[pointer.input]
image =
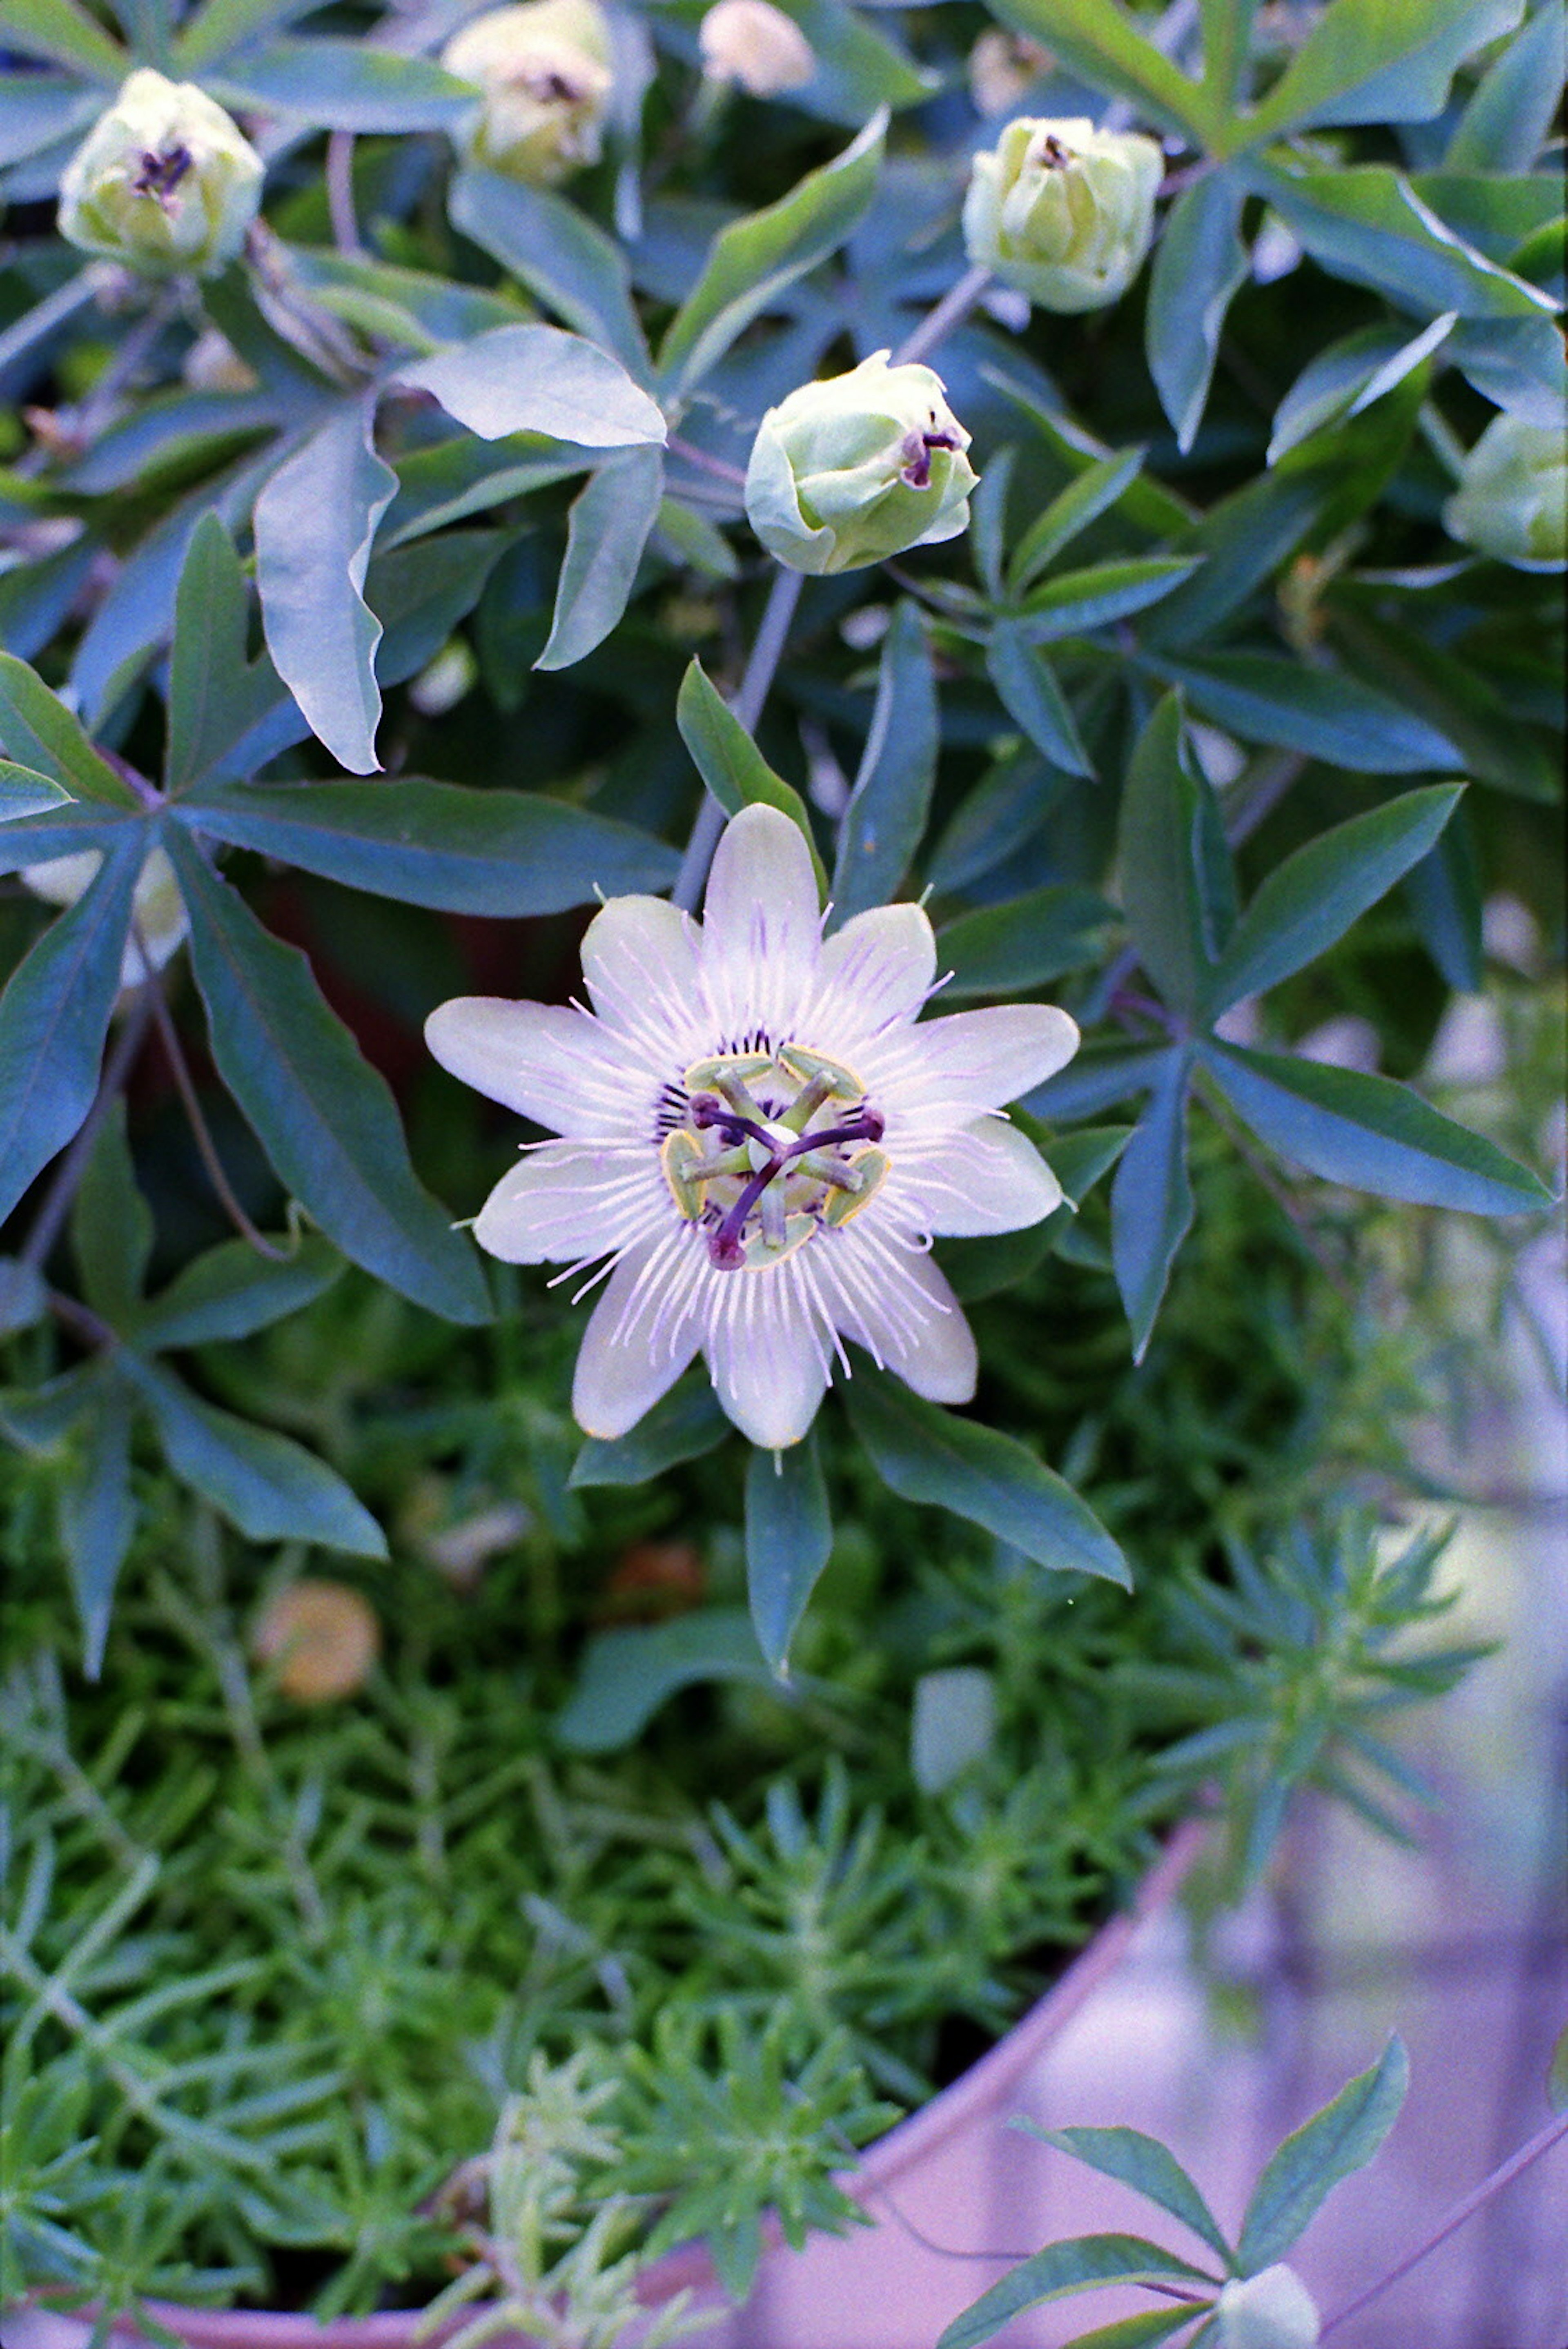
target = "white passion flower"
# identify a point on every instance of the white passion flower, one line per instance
(759, 1138)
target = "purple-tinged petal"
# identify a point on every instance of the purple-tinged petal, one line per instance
(639, 960)
(977, 1061)
(872, 975)
(559, 1067)
(572, 1201)
(761, 927)
(768, 1353)
(640, 1338)
(893, 1301)
(988, 1178)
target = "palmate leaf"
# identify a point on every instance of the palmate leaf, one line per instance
(230, 1292)
(628, 1674)
(1090, 494)
(1028, 691)
(789, 1535)
(1365, 223)
(1151, 1199)
(1097, 41)
(1508, 116)
(1323, 714)
(1075, 2266)
(23, 791)
(217, 695)
(220, 26)
(325, 1119)
(1144, 2164)
(1178, 883)
(343, 85)
(885, 818)
(37, 729)
(97, 1512)
(66, 33)
(1010, 948)
(1341, 2138)
(111, 1225)
(1377, 61)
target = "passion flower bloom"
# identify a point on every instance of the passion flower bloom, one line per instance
(759, 1138)
(164, 181)
(1064, 211)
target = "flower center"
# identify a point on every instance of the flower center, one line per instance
(161, 172)
(916, 472)
(776, 1147)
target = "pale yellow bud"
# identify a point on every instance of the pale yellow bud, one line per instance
(542, 69)
(1064, 211)
(164, 181)
(158, 911)
(754, 43)
(1513, 497)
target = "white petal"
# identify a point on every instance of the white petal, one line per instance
(893, 1301)
(760, 927)
(562, 1068)
(572, 1201)
(639, 960)
(976, 1061)
(768, 1352)
(872, 975)
(638, 1343)
(988, 1178)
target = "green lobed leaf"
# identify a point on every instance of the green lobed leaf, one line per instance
(64, 830)
(336, 84)
(607, 530)
(267, 1486)
(97, 1512)
(1098, 1076)
(1076, 601)
(1096, 38)
(730, 763)
(1147, 2166)
(1323, 714)
(551, 246)
(315, 520)
(1304, 906)
(39, 731)
(111, 1225)
(1508, 116)
(408, 309)
(1519, 363)
(1341, 2138)
(628, 1674)
(1088, 496)
(1176, 882)
(1370, 1134)
(1075, 2265)
(753, 259)
(1139, 2331)
(1027, 688)
(1200, 264)
(67, 34)
(23, 791)
(540, 379)
(1009, 948)
(230, 1291)
(452, 478)
(929, 1454)
(325, 1119)
(54, 1015)
(1151, 1201)
(1454, 699)
(1365, 223)
(789, 1535)
(885, 820)
(1378, 61)
(498, 853)
(684, 1425)
(988, 519)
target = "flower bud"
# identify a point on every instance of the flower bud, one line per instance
(1512, 498)
(1272, 2310)
(1064, 211)
(164, 181)
(862, 466)
(754, 43)
(1002, 68)
(157, 909)
(542, 69)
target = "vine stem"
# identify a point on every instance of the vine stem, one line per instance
(67, 1175)
(1541, 2143)
(944, 315)
(341, 194)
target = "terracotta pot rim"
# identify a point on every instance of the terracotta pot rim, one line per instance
(920, 2133)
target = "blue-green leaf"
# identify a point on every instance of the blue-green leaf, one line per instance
(64, 830)
(325, 1119)
(789, 1535)
(1351, 374)
(753, 259)
(68, 34)
(1341, 2138)
(927, 1454)
(1369, 1132)
(1062, 2268)
(1176, 879)
(1323, 714)
(540, 379)
(314, 523)
(952, 1726)
(1090, 494)
(1198, 264)
(23, 791)
(501, 852)
(1031, 698)
(1144, 2164)
(111, 1225)
(1076, 601)
(684, 1425)
(1151, 1201)
(628, 1674)
(1305, 905)
(1097, 41)
(1095, 1079)
(607, 531)
(97, 1512)
(53, 1017)
(39, 731)
(269, 1487)
(1444, 894)
(730, 763)
(230, 1291)
(219, 26)
(217, 695)
(1009, 948)
(1508, 116)
(557, 251)
(344, 85)
(1365, 223)
(886, 818)
(1379, 61)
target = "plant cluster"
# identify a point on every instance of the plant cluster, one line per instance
(472, 462)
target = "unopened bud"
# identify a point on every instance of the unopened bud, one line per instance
(542, 70)
(1064, 211)
(158, 915)
(1512, 498)
(164, 181)
(1272, 2310)
(754, 43)
(864, 465)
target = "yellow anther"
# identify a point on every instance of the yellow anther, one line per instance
(871, 1166)
(724, 1069)
(816, 1068)
(685, 1171)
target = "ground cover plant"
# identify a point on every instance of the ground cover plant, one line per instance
(1062, 503)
